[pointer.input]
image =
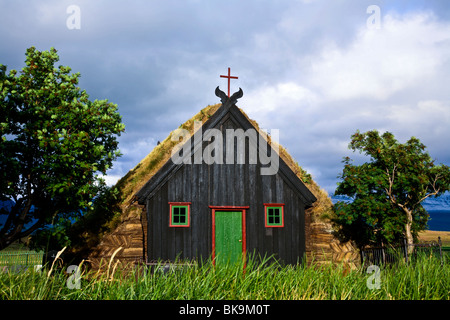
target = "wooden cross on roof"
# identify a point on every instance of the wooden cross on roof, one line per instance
(229, 78)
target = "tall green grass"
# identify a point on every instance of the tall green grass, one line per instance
(426, 278)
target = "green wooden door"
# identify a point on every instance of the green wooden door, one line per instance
(228, 236)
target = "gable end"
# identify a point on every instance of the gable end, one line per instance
(225, 111)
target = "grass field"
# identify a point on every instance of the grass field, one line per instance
(433, 235)
(425, 279)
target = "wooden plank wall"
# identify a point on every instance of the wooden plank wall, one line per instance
(224, 185)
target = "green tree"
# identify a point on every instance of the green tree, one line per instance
(55, 144)
(387, 191)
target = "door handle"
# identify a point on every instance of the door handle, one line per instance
(240, 240)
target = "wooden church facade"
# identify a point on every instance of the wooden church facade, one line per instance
(196, 211)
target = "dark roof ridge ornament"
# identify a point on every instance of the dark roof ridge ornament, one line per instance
(224, 98)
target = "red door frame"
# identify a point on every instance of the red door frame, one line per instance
(228, 208)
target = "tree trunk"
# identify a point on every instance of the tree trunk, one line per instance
(409, 237)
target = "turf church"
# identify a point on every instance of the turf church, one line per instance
(189, 200)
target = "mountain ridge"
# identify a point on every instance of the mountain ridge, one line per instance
(441, 203)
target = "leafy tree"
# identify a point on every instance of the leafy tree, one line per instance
(86, 231)
(54, 145)
(389, 190)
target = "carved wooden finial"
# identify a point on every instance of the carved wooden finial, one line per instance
(233, 99)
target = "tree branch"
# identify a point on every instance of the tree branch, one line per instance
(31, 229)
(11, 215)
(391, 183)
(25, 210)
(435, 190)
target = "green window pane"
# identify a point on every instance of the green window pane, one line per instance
(270, 216)
(176, 215)
(183, 215)
(274, 216)
(180, 215)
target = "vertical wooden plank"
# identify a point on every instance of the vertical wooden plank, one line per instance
(265, 242)
(195, 213)
(240, 197)
(177, 252)
(159, 225)
(244, 234)
(207, 221)
(156, 227)
(292, 229)
(221, 192)
(150, 233)
(213, 176)
(152, 218)
(256, 236)
(290, 226)
(220, 185)
(251, 215)
(167, 233)
(187, 232)
(242, 185)
(276, 249)
(201, 234)
(231, 188)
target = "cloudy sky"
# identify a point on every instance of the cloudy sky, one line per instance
(316, 70)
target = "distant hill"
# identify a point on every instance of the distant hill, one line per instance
(441, 203)
(438, 209)
(8, 205)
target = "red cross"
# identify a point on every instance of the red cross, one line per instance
(229, 78)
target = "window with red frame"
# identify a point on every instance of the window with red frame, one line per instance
(180, 214)
(274, 215)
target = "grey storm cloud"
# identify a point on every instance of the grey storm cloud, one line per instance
(310, 68)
